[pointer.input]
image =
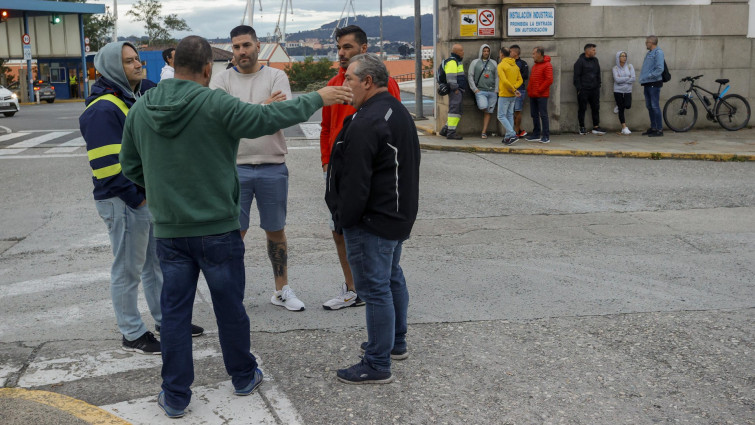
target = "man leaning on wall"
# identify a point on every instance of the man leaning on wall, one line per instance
(457, 81)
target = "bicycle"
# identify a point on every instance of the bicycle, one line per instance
(731, 111)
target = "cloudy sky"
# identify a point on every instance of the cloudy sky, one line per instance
(215, 18)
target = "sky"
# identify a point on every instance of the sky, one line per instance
(215, 18)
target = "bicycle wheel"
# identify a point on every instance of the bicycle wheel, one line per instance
(680, 113)
(733, 112)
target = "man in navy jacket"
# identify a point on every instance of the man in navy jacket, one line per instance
(121, 204)
(372, 192)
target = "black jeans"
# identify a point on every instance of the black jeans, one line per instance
(623, 101)
(591, 96)
(539, 113)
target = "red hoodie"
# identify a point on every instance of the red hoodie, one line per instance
(333, 116)
(541, 78)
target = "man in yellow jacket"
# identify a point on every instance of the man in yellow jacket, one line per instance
(509, 78)
(457, 81)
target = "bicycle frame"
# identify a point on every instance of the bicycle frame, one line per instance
(716, 98)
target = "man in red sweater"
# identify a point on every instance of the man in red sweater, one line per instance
(541, 78)
(351, 41)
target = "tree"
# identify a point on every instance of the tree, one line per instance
(302, 74)
(97, 27)
(158, 27)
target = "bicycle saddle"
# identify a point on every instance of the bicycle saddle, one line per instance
(722, 81)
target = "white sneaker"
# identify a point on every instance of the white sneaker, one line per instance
(615, 109)
(626, 131)
(345, 299)
(287, 298)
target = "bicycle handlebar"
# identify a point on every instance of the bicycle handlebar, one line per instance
(690, 78)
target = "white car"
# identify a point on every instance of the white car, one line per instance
(8, 102)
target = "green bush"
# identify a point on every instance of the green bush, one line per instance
(303, 74)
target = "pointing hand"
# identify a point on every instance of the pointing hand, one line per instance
(335, 94)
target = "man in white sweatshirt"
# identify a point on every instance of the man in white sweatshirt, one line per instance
(261, 162)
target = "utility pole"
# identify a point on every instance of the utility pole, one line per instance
(418, 115)
(115, 20)
(381, 31)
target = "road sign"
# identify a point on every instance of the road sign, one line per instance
(87, 48)
(27, 52)
(86, 40)
(486, 22)
(468, 22)
(26, 39)
(526, 21)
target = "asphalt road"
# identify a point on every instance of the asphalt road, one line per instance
(544, 290)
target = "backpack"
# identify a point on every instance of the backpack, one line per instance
(440, 78)
(665, 75)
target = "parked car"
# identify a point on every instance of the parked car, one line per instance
(8, 102)
(46, 91)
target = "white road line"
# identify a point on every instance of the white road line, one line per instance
(60, 155)
(68, 146)
(311, 130)
(34, 141)
(209, 405)
(8, 151)
(84, 364)
(54, 283)
(12, 136)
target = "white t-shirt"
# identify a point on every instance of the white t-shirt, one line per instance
(256, 88)
(166, 72)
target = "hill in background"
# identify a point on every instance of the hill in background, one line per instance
(394, 29)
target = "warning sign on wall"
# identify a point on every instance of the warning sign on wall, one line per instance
(468, 23)
(486, 22)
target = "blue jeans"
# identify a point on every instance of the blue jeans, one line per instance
(380, 282)
(133, 245)
(221, 260)
(653, 103)
(506, 114)
(519, 102)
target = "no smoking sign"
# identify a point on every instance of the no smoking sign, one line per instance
(485, 22)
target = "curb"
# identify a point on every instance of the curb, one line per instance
(429, 130)
(582, 153)
(56, 101)
(77, 408)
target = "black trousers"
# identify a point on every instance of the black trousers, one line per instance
(623, 101)
(539, 113)
(591, 96)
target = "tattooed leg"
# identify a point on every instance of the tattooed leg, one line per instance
(277, 250)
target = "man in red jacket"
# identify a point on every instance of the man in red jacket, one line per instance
(541, 78)
(351, 41)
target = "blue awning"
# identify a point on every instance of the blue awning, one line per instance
(41, 7)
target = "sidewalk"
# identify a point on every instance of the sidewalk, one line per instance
(703, 144)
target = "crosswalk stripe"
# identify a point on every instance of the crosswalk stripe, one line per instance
(12, 136)
(8, 151)
(311, 130)
(54, 283)
(34, 141)
(68, 146)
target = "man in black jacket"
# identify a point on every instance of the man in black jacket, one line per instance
(587, 82)
(373, 192)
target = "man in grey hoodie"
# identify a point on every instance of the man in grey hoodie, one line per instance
(121, 204)
(483, 81)
(623, 79)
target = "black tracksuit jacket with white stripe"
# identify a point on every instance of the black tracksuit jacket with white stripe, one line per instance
(373, 176)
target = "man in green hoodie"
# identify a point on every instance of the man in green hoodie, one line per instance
(180, 143)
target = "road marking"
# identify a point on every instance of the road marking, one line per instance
(8, 151)
(84, 411)
(34, 141)
(54, 283)
(62, 155)
(311, 130)
(68, 146)
(83, 364)
(12, 136)
(211, 404)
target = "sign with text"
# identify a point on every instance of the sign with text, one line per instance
(528, 21)
(468, 22)
(27, 52)
(486, 22)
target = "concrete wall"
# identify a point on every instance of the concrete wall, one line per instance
(709, 40)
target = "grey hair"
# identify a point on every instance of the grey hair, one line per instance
(653, 39)
(370, 64)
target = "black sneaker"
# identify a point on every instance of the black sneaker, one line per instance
(532, 138)
(253, 384)
(359, 302)
(598, 130)
(362, 373)
(145, 344)
(451, 135)
(582, 131)
(656, 133)
(195, 330)
(648, 132)
(511, 140)
(545, 139)
(443, 131)
(395, 354)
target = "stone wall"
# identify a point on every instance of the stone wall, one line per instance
(709, 40)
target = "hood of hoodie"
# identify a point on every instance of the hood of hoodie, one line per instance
(618, 64)
(509, 61)
(173, 104)
(109, 62)
(479, 54)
